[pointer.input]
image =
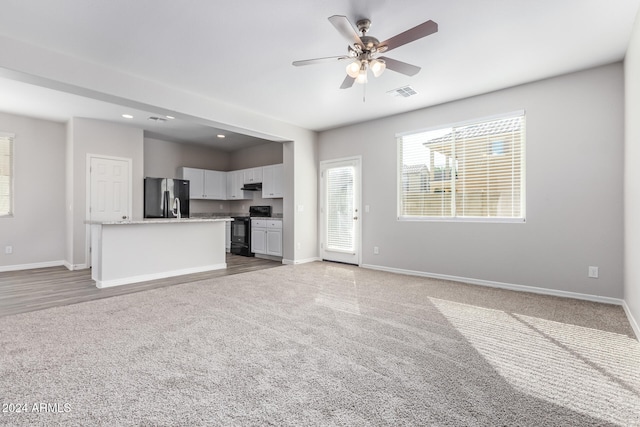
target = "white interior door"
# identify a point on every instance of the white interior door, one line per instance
(340, 210)
(110, 189)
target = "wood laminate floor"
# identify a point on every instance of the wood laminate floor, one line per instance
(37, 289)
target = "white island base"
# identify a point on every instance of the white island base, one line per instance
(125, 252)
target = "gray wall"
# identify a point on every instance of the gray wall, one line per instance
(88, 136)
(163, 158)
(574, 189)
(632, 177)
(37, 229)
(269, 153)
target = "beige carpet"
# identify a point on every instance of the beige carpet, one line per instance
(321, 344)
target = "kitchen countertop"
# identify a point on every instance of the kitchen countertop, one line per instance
(159, 221)
(214, 215)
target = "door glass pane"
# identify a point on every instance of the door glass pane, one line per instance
(340, 208)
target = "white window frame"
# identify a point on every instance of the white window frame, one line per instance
(10, 137)
(452, 218)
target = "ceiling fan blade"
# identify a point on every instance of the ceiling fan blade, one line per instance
(347, 82)
(400, 67)
(415, 33)
(345, 28)
(320, 60)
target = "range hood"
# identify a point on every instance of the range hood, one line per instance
(252, 187)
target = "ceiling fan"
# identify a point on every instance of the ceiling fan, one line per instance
(364, 50)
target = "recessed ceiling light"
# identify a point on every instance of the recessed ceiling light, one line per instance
(220, 135)
(170, 117)
(127, 116)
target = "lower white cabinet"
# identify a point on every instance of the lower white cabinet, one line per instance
(266, 236)
(227, 236)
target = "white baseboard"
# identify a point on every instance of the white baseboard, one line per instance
(32, 266)
(73, 267)
(632, 320)
(300, 261)
(501, 285)
(145, 277)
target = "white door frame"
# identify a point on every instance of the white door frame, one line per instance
(358, 204)
(87, 215)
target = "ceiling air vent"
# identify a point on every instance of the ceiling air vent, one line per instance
(157, 119)
(405, 92)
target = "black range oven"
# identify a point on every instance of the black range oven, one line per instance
(241, 230)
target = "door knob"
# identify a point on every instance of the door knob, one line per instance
(355, 217)
(124, 217)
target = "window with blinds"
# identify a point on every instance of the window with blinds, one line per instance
(6, 157)
(473, 171)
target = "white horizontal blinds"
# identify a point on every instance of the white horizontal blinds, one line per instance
(470, 171)
(6, 147)
(425, 177)
(340, 208)
(489, 174)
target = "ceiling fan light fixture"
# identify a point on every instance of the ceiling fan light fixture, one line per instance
(353, 69)
(377, 66)
(362, 75)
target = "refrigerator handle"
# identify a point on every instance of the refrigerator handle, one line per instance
(165, 204)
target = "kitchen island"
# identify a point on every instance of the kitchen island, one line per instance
(125, 252)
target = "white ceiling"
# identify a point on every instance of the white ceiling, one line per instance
(240, 53)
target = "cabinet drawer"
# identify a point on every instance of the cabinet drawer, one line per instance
(274, 223)
(259, 223)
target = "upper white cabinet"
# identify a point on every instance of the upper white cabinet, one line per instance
(215, 185)
(273, 181)
(196, 182)
(253, 175)
(235, 181)
(206, 184)
(218, 185)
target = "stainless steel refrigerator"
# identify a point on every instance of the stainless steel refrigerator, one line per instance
(166, 198)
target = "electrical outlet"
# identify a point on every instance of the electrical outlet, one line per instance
(8, 249)
(366, 208)
(593, 272)
(376, 250)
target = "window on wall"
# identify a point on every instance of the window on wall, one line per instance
(6, 169)
(471, 171)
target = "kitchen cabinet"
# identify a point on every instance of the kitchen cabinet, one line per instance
(227, 237)
(259, 236)
(215, 185)
(252, 176)
(273, 181)
(235, 181)
(196, 182)
(266, 236)
(206, 184)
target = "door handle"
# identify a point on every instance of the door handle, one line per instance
(355, 217)
(124, 217)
